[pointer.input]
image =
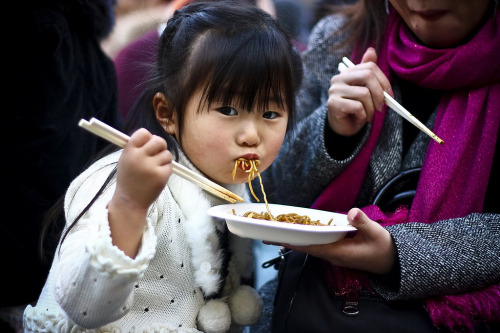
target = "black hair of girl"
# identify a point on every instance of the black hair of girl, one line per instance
(227, 48)
(231, 50)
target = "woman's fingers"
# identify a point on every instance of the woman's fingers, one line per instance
(355, 94)
(366, 81)
(370, 249)
(349, 117)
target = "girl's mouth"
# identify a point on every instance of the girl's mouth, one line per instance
(247, 165)
(250, 156)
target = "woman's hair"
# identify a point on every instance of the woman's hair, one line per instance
(230, 50)
(365, 24)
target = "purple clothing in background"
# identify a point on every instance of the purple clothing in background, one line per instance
(132, 65)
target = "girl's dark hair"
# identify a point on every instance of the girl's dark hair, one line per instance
(228, 49)
(232, 50)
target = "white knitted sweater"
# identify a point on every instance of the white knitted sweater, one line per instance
(93, 284)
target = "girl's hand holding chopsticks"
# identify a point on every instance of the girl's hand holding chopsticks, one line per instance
(120, 139)
(144, 168)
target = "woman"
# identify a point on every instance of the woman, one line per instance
(442, 270)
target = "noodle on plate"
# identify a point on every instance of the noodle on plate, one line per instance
(250, 167)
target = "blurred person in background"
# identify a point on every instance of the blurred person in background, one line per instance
(133, 19)
(133, 61)
(59, 74)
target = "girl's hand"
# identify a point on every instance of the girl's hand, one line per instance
(371, 249)
(143, 171)
(355, 94)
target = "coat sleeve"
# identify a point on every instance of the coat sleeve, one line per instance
(443, 258)
(95, 280)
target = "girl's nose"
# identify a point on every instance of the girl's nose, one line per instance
(249, 135)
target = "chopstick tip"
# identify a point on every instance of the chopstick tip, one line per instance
(82, 122)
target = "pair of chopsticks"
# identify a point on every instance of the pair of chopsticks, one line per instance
(398, 108)
(120, 139)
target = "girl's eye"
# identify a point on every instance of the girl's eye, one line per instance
(270, 114)
(228, 110)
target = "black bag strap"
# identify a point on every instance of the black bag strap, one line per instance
(399, 190)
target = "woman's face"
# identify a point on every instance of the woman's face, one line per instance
(442, 23)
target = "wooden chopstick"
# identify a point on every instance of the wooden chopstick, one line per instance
(120, 139)
(398, 108)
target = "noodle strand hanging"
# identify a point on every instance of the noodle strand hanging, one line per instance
(250, 167)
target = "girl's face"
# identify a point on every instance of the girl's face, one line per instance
(216, 137)
(442, 23)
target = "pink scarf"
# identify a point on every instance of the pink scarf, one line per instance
(454, 175)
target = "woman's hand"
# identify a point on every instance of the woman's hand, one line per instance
(355, 94)
(143, 171)
(371, 249)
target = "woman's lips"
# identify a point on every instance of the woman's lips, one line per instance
(431, 14)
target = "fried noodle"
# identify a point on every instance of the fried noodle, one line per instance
(250, 167)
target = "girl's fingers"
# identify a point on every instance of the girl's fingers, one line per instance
(140, 137)
(151, 144)
(155, 145)
(165, 157)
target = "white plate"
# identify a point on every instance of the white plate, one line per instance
(282, 232)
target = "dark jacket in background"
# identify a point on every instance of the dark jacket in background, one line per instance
(55, 73)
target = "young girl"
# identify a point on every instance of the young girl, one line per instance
(139, 253)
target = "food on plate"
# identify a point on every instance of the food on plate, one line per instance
(250, 166)
(288, 218)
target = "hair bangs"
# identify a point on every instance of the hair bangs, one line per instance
(257, 70)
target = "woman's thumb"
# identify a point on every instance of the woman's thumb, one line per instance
(370, 55)
(357, 218)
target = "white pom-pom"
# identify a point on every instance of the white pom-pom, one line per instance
(245, 305)
(214, 317)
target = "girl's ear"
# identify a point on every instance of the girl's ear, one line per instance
(165, 113)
